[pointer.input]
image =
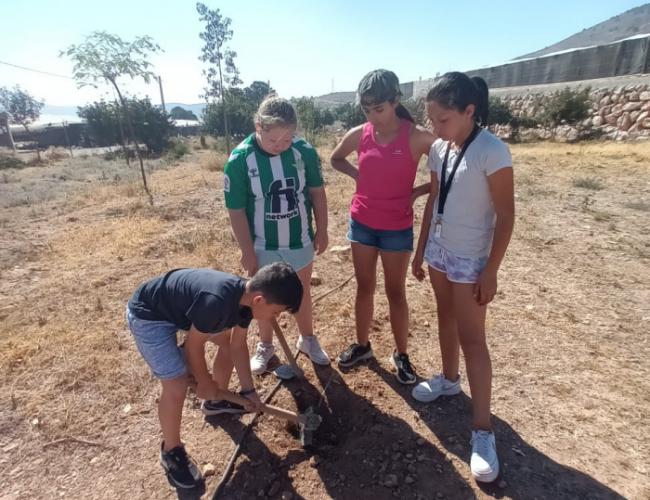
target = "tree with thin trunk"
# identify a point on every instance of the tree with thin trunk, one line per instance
(5, 123)
(21, 108)
(222, 72)
(104, 58)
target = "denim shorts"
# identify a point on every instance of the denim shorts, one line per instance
(156, 341)
(457, 269)
(297, 258)
(384, 239)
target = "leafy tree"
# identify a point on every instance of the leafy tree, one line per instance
(102, 122)
(242, 105)
(151, 125)
(178, 113)
(23, 108)
(311, 118)
(256, 92)
(222, 73)
(326, 117)
(308, 113)
(104, 58)
(240, 111)
(349, 114)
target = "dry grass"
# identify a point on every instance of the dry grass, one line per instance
(53, 154)
(213, 162)
(588, 183)
(568, 326)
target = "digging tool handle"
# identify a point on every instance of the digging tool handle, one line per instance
(285, 347)
(271, 410)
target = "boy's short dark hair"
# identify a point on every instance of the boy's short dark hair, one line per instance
(279, 284)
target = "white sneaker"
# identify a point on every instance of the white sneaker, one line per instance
(263, 353)
(484, 463)
(311, 347)
(429, 390)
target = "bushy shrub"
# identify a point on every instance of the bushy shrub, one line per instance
(176, 150)
(565, 106)
(500, 113)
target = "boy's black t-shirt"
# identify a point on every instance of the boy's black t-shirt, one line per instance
(205, 298)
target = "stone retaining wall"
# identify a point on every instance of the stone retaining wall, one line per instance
(621, 112)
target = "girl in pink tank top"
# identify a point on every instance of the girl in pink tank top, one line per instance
(389, 147)
(385, 182)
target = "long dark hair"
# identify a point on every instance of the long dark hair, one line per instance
(456, 90)
(379, 86)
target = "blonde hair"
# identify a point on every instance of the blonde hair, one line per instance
(274, 111)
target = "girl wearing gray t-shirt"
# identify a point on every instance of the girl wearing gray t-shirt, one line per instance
(465, 232)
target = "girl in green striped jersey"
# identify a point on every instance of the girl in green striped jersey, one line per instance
(273, 184)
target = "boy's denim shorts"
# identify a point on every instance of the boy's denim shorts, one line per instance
(156, 341)
(297, 258)
(384, 239)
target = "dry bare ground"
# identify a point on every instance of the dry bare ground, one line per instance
(568, 337)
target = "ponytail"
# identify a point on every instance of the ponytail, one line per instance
(456, 90)
(403, 113)
(483, 101)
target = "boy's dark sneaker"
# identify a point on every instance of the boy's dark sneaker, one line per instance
(354, 354)
(217, 407)
(405, 373)
(182, 471)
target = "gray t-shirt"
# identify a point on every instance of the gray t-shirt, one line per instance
(468, 219)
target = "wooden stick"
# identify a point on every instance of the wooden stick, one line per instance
(332, 290)
(76, 440)
(271, 410)
(285, 347)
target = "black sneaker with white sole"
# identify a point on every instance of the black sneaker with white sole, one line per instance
(405, 373)
(217, 407)
(354, 354)
(182, 471)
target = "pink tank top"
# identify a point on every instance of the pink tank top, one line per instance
(385, 183)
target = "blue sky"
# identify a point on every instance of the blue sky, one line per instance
(303, 48)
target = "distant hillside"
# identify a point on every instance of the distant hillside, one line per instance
(633, 22)
(334, 99)
(197, 109)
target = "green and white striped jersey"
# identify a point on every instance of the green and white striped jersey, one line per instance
(274, 190)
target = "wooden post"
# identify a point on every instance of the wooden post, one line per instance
(287, 350)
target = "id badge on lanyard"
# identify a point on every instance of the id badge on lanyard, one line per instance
(445, 185)
(437, 228)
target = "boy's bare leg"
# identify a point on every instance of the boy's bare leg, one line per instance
(222, 367)
(170, 410)
(266, 331)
